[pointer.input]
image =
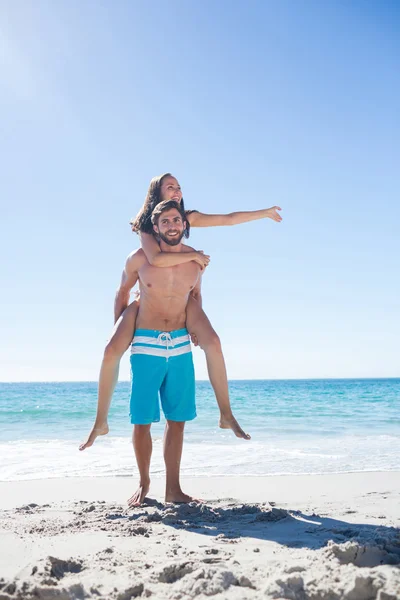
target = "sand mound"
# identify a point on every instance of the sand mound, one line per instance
(206, 581)
(364, 555)
(326, 582)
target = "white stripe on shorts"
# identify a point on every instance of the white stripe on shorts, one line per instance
(144, 339)
(163, 352)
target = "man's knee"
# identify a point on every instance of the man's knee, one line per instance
(176, 425)
(139, 430)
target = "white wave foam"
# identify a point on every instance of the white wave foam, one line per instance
(114, 456)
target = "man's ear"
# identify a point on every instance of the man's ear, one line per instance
(155, 228)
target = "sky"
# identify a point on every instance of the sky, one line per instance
(250, 105)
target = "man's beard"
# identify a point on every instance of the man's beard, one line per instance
(174, 241)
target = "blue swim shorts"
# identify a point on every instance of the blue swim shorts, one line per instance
(162, 367)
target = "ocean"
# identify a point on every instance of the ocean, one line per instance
(297, 427)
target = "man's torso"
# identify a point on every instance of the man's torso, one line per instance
(164, 293)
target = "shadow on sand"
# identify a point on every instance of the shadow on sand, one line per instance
(229, 521)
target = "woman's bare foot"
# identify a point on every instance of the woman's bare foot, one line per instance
(96, 431)
(229, 422)
(179, 496)
(138, 497)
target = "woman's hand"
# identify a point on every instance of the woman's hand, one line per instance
(272, 213)
(202, 259)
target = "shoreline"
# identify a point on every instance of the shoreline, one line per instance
(252, 488)
(157, 475)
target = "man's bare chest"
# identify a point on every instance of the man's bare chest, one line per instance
(181, 278)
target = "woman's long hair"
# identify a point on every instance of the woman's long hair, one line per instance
(142, 221)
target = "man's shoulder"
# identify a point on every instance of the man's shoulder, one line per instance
(136, 253)
(136, 258)
(185, 248)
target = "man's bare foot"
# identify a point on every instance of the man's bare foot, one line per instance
(138, 497)
(96, 431)
(179, 496)
(229, 422)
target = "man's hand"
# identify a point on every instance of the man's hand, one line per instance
(272, 213)
(194, 339)
(202, 259)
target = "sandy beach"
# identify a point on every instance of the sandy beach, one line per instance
(317, 537)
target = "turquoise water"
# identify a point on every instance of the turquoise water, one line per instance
(306, 426)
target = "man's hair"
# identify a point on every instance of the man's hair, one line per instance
(162, 207)
(142, 221)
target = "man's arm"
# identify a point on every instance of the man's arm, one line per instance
(129, 279)
(196, 295)
(198, 219)
(196, 292)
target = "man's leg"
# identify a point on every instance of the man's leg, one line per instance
(208, 340)
(119, 342)
(178, 399)
(142, 444)
(148, 372)
(173, 442)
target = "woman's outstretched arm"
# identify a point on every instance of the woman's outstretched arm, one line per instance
(198, 219)
(157, 258)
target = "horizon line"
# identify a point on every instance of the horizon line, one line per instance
(229, 380)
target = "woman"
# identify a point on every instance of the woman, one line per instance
(166, 187)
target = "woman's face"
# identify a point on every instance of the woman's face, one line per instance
(170, 189)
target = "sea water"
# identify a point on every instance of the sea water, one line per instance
(304, 426)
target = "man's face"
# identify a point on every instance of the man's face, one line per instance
(170, 227)
(170, 189)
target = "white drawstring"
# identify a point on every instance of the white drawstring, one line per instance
(165, 337)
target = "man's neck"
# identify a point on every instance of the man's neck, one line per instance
(167, 248)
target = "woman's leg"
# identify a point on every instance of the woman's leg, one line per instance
(198, 324)
(117, 346)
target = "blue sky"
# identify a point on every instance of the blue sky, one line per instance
(249, 104)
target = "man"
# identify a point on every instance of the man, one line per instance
(161, 359)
